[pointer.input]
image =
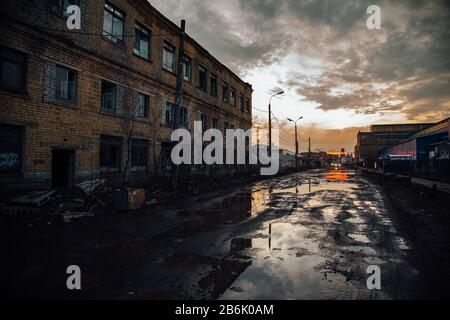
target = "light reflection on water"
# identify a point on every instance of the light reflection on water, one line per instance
(291, 260)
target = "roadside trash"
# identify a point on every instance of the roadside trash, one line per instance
(32, 199)
(129, 199)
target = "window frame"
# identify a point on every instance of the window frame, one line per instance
(215, 123)
(233, 95)
(167, 46)
(200, 85)
(213, 92)
(187, 61)
(204, 120)
(75, 89)
(225, 92)
(139, 144)
(107, 110)
(146, 106)
(117, 13)
(23, 64)
(58, 7)
(109, 141)
(182, 121)
(15, 132)
(139, 28)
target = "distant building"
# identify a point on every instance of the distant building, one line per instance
(426, 152)
(369, 144)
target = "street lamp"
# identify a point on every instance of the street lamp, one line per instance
(270, 121)
(296, 140)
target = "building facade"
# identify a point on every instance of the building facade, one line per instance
(101, 100)
(369, 144)
(426, 153)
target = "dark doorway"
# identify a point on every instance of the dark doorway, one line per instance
(63, 168)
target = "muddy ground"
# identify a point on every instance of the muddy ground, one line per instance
(309, 235)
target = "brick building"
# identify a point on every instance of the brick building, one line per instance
(76, 103)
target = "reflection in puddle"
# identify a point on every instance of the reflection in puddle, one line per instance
(293, 257)
(359, 237)
(336, 175)
(361, 249)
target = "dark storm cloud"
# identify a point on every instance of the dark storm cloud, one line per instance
(409, 58)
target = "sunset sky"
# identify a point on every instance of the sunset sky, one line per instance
(337, 73)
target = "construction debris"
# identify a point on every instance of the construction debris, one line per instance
(34, 199)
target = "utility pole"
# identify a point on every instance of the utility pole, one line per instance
(296, 147)
(179, 88)
(270, 122)
(296, 141)
(269, 151)
(309, 150)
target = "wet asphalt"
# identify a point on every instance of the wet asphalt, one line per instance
(311, 235)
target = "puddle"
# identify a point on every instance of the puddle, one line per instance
(359, 237)
(361, 249)
(292, 256)
(356, 220)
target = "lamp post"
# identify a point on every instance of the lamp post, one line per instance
(270, 121)
(296, 140)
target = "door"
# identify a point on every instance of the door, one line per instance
(63, 168)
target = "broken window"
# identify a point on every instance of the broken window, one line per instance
(139, 154)
(202, 78)
(113, 24)
(142, 42)
(213, 85)
(187, 69)
(110, 152)
(141, 107)
(10, 150)
(12, 69)
(66, 84)
(169, 57)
